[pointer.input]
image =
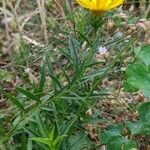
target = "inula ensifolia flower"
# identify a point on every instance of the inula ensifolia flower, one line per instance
(100, 5)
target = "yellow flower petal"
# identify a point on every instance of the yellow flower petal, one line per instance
(100, 5)
(87, 4)
(115, 3)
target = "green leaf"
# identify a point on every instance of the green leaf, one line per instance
(73, 51)
(78, 141)
(45, 141)
(128, 87)
(138, 73)
(41, 126)
(145, 130)
(144, 111)
(135, 127)
(129, 145)
(28, 94)
(15, 101)
(138, 76)
(141, 127)
(108, 135)
(29, 145)
(145, 54)
(58, 140)
(121, 143)
(91, 76)
(83, 37)
(68, 126)
(114, 140)
(51, 135)
(3, 139)
(52, 74)
(113, 131)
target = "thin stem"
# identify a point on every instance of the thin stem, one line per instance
(5, 17)
(40, 4)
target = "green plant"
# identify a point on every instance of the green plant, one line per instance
(62, 101)
(138, 73)
(58, 100)
(114, 139)
(137, 78)
(124, 136)
(50, 141)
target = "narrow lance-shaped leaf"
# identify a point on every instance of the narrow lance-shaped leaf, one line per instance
(45, 141)
(52, 74)
(51, 135)
(28, 94)
(15, 101)
(73, 52)
(42, 78)
(41, 125)
(58, 140)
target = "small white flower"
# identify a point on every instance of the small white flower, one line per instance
(27, 70)
(6, 20)
(119, 34)
(102, 50)
(89, 112)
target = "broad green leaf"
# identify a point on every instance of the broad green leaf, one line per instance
(135, 127)
(112, 131)
(120, 143)
(128, 87)
(138, 73)
(108, 135)
(78, 141)
(138, 76)
(129, 145)
(116, 128)
(144, 54)
(114, 139)
(144, 111)
(145, 130)
(139, 128)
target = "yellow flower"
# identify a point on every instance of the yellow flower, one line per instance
(100, 5)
